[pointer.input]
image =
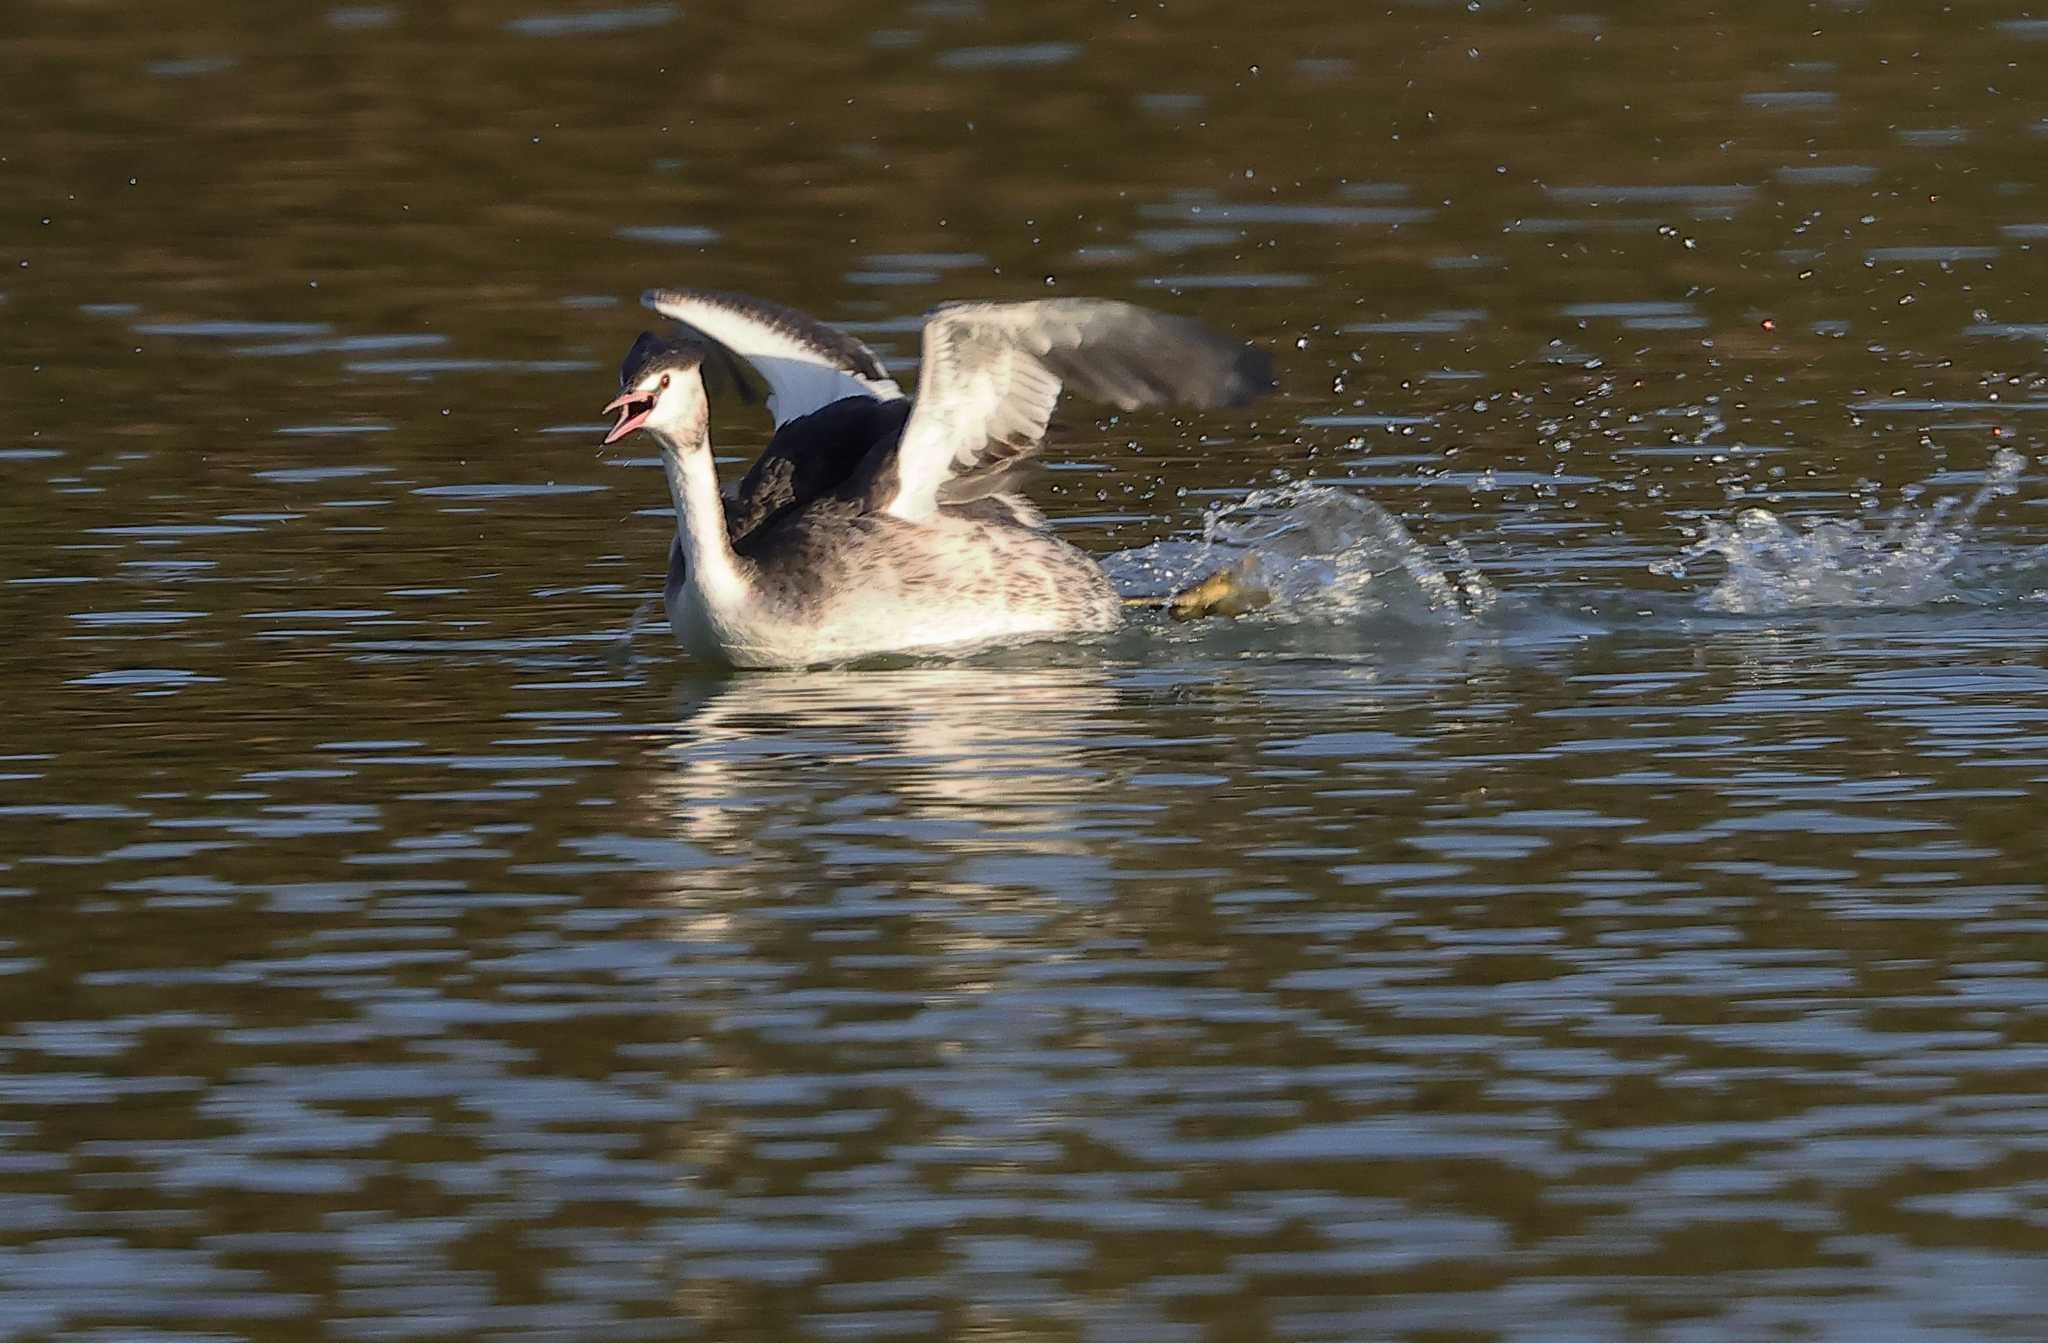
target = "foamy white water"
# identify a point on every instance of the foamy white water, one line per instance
(1322, 554)
(1918, 556)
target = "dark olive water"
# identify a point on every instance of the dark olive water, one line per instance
(1606, 899)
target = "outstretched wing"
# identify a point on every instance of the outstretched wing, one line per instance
(993, 371)
(805, 363)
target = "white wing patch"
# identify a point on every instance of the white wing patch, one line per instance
(806, 364)
(979, 392)
(993, 372)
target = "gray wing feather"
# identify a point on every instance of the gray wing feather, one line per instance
(994, 371)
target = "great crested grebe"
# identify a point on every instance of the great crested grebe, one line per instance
(873, 523)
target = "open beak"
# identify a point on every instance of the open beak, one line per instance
(633, 408)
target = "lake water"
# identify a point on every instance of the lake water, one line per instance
(1606, 898)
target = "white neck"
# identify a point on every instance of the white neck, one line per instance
(714, 570)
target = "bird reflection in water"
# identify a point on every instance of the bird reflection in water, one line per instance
(957, 746)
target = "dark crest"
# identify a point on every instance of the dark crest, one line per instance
(651, 354)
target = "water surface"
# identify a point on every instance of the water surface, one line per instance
(1604, 898)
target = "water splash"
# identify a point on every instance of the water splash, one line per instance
(1919, 556)
(1321, 554)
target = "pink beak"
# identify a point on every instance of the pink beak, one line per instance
(629, 419)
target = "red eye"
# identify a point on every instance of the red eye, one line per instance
(664, 382)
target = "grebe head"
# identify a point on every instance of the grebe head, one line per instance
(662, 389)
